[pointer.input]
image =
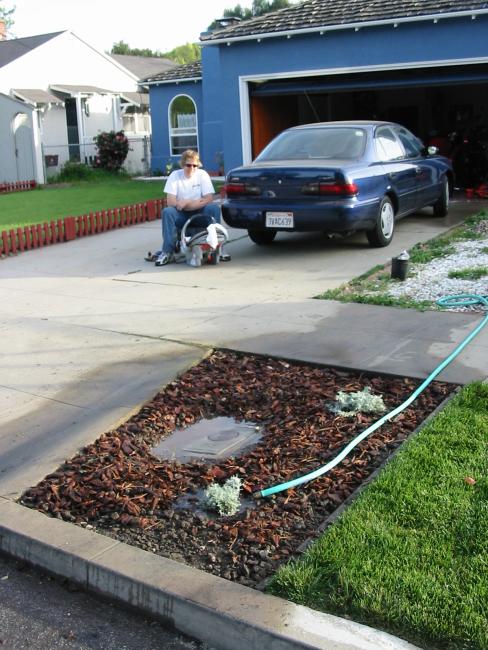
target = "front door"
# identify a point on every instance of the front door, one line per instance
(73, 134)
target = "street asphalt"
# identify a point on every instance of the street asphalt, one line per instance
(90, 332)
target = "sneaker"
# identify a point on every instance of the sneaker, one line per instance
(164, 258)
(152, 257)
(225, 257)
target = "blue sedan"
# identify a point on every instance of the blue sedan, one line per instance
(337, 177)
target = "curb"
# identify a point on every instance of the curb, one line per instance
(225, 615)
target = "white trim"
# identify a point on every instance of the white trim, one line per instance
(245, 121)
(244, 81)
(367, 68)
(172, 81)
(332, 28)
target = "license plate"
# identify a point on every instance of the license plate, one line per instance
(279, 220)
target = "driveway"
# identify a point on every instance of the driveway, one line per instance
(90, 331)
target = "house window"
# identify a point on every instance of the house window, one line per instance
(183, 132)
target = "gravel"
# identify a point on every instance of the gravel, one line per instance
(430, 281)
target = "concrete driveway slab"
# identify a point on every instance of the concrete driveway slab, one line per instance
(89, 332)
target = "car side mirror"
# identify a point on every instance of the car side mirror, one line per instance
(432, 151)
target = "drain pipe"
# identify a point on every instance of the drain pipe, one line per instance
(461, 300)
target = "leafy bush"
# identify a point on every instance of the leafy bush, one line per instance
(224, 498)
(350, 404)
(73, 171)
(112, 148)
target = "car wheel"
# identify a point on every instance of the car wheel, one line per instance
(441, 206)
(262, 237)
(382, 233)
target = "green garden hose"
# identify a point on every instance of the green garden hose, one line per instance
(461, 300)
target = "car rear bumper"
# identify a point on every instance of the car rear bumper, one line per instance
(336, 216)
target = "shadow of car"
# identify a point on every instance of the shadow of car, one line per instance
(337, 178)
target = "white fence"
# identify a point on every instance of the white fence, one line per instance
(138, 159)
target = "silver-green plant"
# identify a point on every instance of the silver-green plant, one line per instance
(350, 404)
(224, 498)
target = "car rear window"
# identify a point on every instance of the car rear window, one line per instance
(333, 143)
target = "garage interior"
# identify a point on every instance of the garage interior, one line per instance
(444, 106)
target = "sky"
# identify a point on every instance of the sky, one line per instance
(155, 24)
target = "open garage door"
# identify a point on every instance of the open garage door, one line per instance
(438, 104)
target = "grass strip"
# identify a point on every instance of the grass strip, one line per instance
(474, 273)
(54, 202)
(410, 556)
(372, 287)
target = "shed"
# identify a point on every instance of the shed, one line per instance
(18, 159)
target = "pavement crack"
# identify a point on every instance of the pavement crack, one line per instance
(50, 399)
(165, 284)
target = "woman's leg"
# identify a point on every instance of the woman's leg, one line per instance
(212, 210)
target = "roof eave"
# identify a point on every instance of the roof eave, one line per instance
(357, 25)
(158, 82)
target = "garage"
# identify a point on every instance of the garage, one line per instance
(445, 106)
(423, 64)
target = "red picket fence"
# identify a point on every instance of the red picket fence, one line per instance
(18, 240)
(18, 186)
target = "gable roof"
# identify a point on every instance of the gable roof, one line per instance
(12, 49)
(144, 66)
(186, 72)
(36, 96)
(138, 99)
(311, 15)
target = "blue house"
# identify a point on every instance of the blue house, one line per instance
(423, 63)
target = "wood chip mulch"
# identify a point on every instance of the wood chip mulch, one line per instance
(119, 488)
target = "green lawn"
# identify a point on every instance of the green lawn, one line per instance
(54, 202)
(410, 556)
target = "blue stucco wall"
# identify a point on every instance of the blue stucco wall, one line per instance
(160, 98)
(220, 117)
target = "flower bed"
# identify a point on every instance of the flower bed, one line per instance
(117, 486)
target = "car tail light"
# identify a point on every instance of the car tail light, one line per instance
(241, 189)
(324, 188)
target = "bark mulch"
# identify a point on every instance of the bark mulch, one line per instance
(119, 488)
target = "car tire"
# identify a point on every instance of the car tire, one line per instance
(441, 206)
(382, 234)
(262, 237)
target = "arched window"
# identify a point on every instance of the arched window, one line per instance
(183, 132)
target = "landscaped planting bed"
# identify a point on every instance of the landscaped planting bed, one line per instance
(118, 487)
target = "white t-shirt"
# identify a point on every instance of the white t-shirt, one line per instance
(198, 185)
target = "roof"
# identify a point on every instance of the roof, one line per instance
(72, 91)
(17, 102)
(12, 49)
(36, 96)
(140, 99)
(314, 14)
(186, 72)
(144, 66)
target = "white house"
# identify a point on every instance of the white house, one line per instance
(74, 92)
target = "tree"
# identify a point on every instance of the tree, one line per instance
(259, 8)
(185, 53)
(6, 16)
(181, 54)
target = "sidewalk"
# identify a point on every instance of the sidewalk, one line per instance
(90, 332)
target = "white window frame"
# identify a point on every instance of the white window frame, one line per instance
(174, 132)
